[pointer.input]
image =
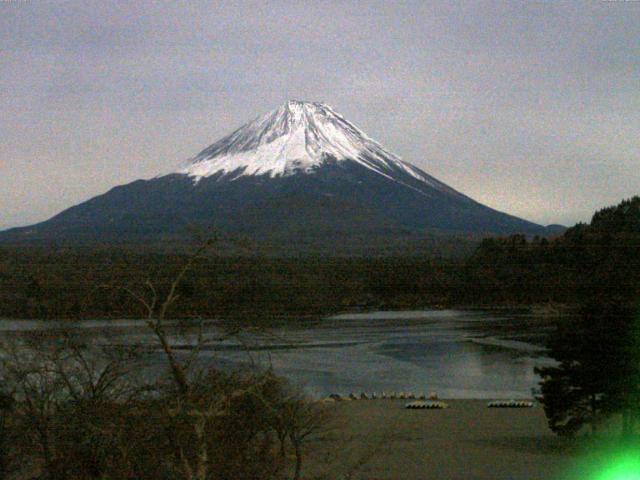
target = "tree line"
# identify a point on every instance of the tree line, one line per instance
(45, 283)
(597, 376)
(69, 283)
(596, 268)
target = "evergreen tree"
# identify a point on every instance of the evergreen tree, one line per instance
(598, 371)
(598, 353)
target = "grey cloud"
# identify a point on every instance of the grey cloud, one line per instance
(530, 107)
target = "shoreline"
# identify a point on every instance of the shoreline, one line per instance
(383, 440)
(539, 310)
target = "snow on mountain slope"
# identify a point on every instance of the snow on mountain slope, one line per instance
(298, 137)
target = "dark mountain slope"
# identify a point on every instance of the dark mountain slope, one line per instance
(298, 175)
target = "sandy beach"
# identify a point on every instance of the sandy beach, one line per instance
(380, 439)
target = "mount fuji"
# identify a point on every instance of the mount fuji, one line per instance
(297, 176)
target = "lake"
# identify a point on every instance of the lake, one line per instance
(454, 353)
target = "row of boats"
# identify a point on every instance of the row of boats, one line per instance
(421, 401)
(420, 404)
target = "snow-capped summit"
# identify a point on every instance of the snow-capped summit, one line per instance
(297, 137)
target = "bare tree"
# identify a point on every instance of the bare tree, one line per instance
(192, 403)
(303, 418)
(156, 308)
(66, 387)
(39, 392)
(293, 416)
(93, 369)
(196, 405)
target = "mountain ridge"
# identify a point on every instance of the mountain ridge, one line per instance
(300, 173)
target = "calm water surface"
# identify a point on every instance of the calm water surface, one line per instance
(457, 354)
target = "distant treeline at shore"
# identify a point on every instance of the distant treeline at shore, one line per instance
(510, 271)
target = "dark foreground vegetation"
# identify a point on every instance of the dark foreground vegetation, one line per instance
(76, 283)
(76, 406)
(70, 417)
(598, 350)
(594, 268)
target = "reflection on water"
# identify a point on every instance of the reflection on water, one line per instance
(457, 354)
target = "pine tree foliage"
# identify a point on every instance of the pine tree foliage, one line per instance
(598, 352)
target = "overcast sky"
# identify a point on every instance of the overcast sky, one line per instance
(532, 108)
